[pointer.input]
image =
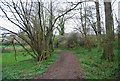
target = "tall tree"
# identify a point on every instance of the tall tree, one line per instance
(83, 23)
(85, 26)
(108, 42)
(98, 26)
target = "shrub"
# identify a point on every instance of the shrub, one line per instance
(62, 42)
(70, 40)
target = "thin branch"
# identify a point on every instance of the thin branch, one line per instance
(66, 12)
(11, 20)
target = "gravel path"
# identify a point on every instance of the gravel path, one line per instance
(65, 67)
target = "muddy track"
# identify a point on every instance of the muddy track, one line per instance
(65, 67)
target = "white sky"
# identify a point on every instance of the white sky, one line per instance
(69, 24)
(69, 27)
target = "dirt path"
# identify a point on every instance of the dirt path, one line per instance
(65, 67)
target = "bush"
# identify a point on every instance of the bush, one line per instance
(62, 42)
(7, 42)
(70, 40)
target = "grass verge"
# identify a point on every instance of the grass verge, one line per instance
(94, 67)
(25, 67)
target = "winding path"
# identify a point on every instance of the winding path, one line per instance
(65, 67)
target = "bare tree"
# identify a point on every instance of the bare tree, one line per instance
(83, 25)
(108, 42)
(37, 21)
(98, 25)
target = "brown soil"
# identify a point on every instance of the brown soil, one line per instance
(65, 67)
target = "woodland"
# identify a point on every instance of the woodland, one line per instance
(53, 39)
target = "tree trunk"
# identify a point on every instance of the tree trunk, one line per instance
(98, 26)
(119, 46)
(87, 42)
(108, 43)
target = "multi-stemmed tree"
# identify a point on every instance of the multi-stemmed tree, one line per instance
(37, 20)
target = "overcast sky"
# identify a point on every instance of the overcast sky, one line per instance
(69, 24)
(69, 27)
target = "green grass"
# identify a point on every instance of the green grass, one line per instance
(94, 67)
(10, 46)
(24, 67)
(18, 48)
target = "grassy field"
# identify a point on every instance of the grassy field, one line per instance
(24, 67)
